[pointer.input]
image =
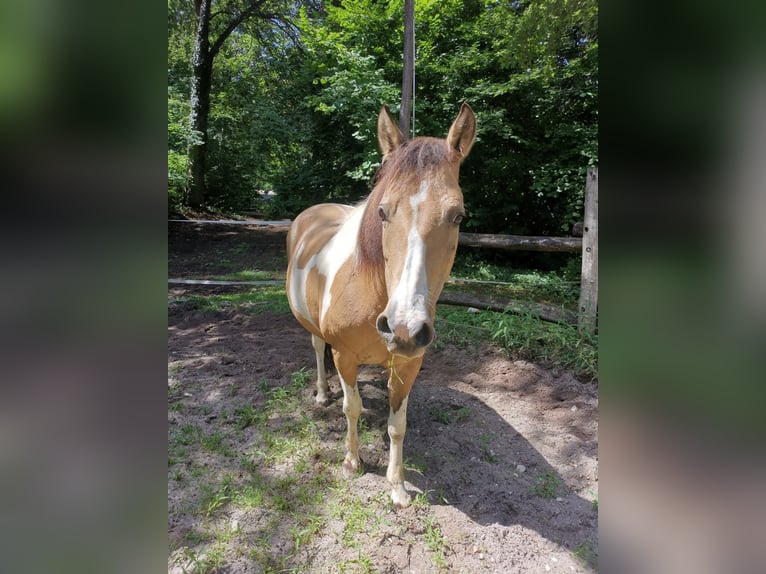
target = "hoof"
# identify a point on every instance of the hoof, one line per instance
(322, 400)
(400, 497)
(351, 469)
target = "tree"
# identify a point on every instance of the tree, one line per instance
(297, 115)
(227, 18)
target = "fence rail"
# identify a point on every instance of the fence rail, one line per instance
(587, 316)
(521, 242)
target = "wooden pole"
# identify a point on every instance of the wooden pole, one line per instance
(409, 67)
(588, 307)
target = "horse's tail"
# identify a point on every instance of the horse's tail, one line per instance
(329, 361)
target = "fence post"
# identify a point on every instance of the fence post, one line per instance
(588, 306)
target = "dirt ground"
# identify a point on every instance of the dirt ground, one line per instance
(505, 451)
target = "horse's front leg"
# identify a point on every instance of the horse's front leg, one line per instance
(352, 408)
(401, 377)
(322, 388)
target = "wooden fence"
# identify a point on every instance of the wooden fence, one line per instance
(587, 315)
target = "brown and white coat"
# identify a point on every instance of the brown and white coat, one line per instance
(366, 279)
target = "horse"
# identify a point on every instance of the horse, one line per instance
(365, 279)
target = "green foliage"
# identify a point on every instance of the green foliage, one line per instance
(297, 115)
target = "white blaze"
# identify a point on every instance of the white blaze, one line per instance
(408, 304)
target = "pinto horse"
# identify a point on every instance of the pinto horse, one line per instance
(365, 279)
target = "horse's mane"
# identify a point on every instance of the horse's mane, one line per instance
(409, 162)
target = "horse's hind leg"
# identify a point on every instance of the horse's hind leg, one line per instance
(322, 387)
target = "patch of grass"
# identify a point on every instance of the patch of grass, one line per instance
(247, 415)
(214, 443)
(440, 416)
(212, 499)
(366, 435)
(547, 485)
(422, 499)
(586, 554)
(360, 519)
(304, 529)
(359, 565)
(449, 416)
(252, 301)
(416, 462)
(301, 378)
(595, 500)
(203, 561)
(435, 542)
(462, 414)
(456, 326)
(248, 275)
(284, 446)
(188, 434)
(551, 287)
(487, 454)
(251, 496)
(525, 336)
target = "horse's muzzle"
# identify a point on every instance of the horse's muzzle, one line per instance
(410, 342)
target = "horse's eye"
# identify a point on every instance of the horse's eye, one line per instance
(458, 218)
(382, 213)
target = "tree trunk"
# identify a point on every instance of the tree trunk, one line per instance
(202, 72)
(409, 67)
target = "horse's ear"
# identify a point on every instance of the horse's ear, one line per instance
(463, 130)
(390, 137)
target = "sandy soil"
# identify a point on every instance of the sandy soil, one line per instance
(508, 449)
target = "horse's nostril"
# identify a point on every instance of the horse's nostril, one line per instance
(424, 336)
(382, 325)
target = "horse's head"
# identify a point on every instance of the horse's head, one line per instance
(420, 206)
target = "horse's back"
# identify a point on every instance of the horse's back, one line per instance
(317, 245)
(314, 227)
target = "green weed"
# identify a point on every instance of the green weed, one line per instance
(359, 518)
(487, 454)
(359, 565)
(422, 499)
(248, 415)
(595, 500)
(547, 485)
(366, 435)
(587, 554)
(202, 561)
(213, 499)
(301, 378)
(435, 542)
(462, 414)
(214, 443)
(440, 416)
(416, 462)
(449, 416)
